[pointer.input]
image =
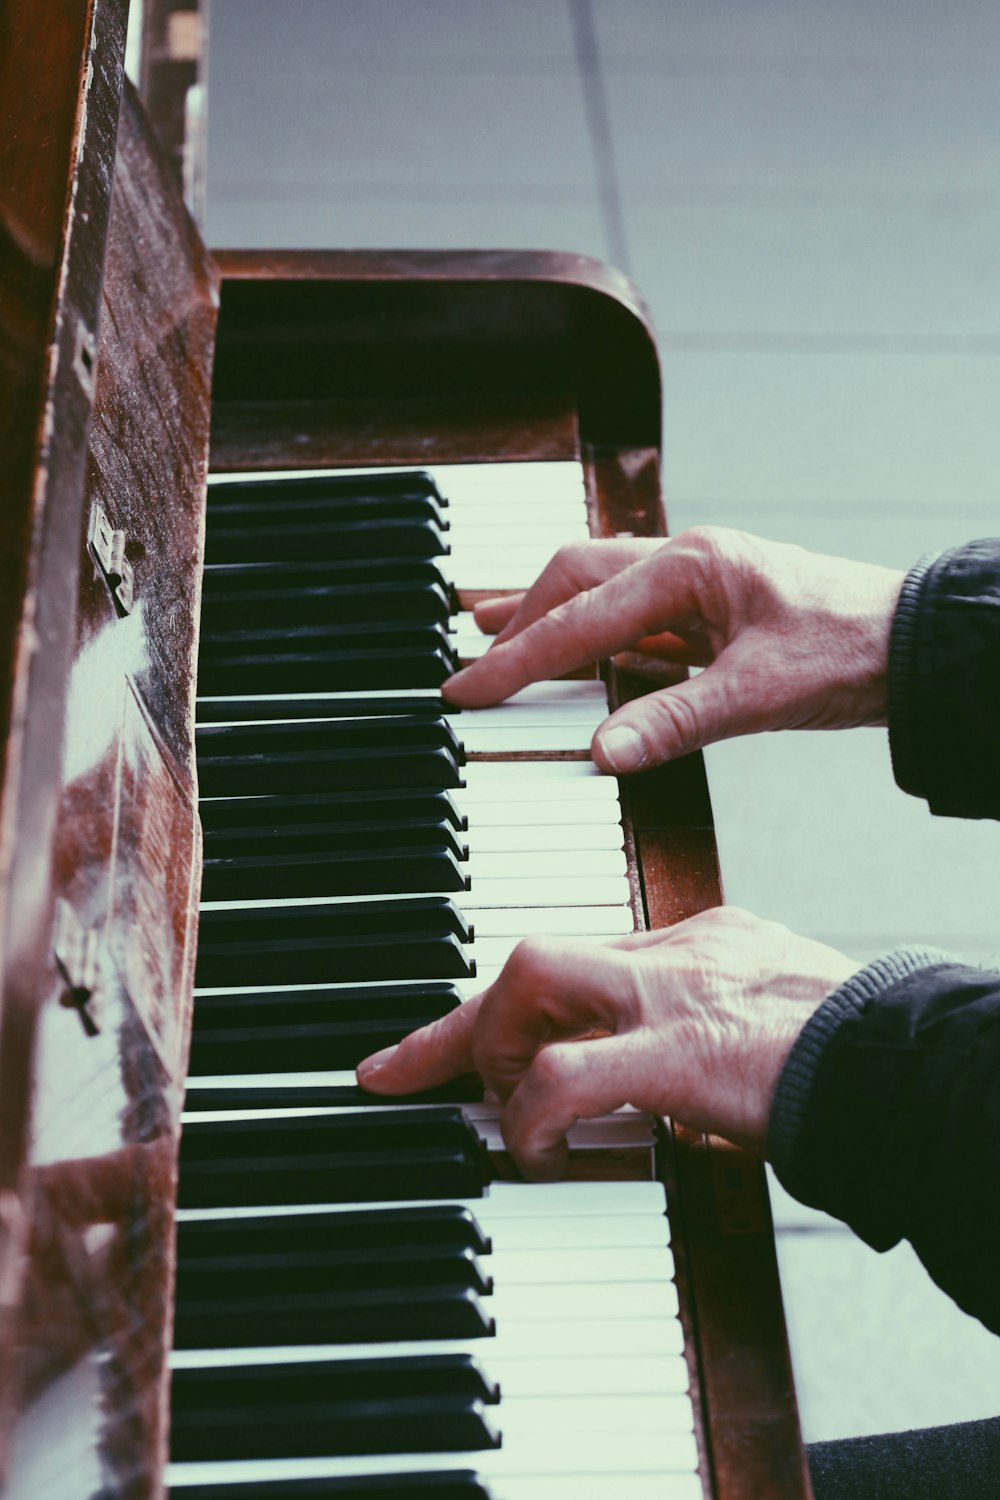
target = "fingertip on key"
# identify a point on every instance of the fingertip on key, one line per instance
(622, 748)
(369, 1068)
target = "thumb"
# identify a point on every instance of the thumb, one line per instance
(672, 722)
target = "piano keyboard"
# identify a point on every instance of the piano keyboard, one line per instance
(362, 1308)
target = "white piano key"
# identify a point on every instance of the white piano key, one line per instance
(517, 1416)
(524, 838)
(595, 1231)
(515, 739)
(493, 953)
(483, 569)
(483, 528)
(583, 1301)
(568, 890)
(663, 1374)
(568, 814)
(549, 692)
(660, 1486)
(493, 781)
(469, 648)
(584, 1452)
(589, 708)
(551, 921)
(571, 1264)
(546, 864)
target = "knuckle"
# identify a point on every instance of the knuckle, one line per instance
(575, 620)
(530, 961)
(555, 1067)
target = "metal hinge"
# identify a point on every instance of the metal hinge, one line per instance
(76, 954)
(108, 546)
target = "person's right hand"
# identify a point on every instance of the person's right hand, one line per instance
(789, 639)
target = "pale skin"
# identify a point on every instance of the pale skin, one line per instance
(695, 1021)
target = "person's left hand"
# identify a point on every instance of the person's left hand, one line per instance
(694, 1021)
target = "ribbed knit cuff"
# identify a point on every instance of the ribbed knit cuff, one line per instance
(791, 1100)
(903, 748)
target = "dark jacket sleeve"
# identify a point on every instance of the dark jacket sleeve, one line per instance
(944, 682)
(887, 1115)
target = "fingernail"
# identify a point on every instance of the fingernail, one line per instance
(624, 748)
(371, 1065)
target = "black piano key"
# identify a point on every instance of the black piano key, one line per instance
(358, 1156)
(314, 736)
(323, 1133)
(365, 1316)
(311, 659)
(236, 534)
(336, 942)
(264, 830)
(299, 1273)
(281, 1007)
(274, 1048)
(386, 668)
(256, 1387)
(458, 1484)
(389, 806)
(343, 1177)
(328, 1429)
(464, 1090)
(448, 1225)
(338, 873)
(328, 755)
(250, 708)
(320, 592)
(349, 492)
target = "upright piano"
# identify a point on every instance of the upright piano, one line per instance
(360, 1298)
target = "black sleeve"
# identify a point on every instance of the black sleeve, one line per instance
(944, 682)
(887, 1115)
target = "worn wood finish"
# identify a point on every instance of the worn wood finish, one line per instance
(57, 147)
(280, 434)
(390, 326)
(106, 839)
(723, 1238)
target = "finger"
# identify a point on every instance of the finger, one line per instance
(491, 615)
(662, 726)
(574, 569)
(657, 593)
(548, 989)
(426, 1058)
(567, 1082)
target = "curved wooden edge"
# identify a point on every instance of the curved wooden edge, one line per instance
(436, 265)
(376, 323)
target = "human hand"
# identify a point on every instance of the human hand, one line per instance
(789, 639)
(694, 1021)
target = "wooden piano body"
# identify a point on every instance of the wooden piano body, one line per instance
(339, 358)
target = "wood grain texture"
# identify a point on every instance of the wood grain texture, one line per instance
(101, 1077)
(57, 141)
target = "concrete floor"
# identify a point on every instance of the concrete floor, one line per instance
(808, 195)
